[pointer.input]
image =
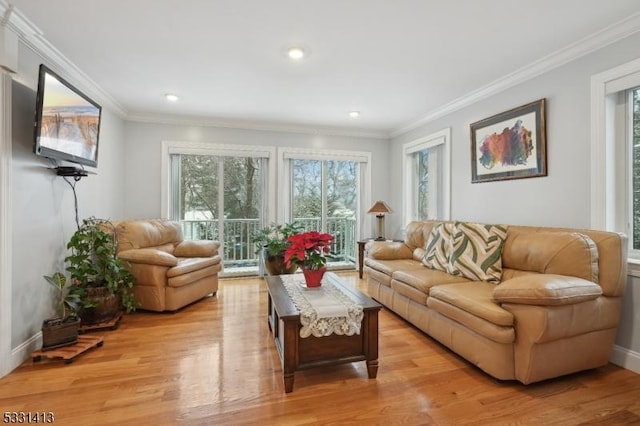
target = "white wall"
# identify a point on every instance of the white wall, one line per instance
(143, 152)
(560, 199)
(42, 207)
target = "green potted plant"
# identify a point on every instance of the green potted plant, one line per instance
(271, 243)
(63, 329)
(93, 265)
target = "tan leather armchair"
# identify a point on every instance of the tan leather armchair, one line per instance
(170, 272)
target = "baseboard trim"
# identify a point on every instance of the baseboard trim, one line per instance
(23, 352)
(625, 358)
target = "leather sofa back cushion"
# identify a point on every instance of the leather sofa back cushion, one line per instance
(136, 234)
(549, 252)
(417, 234)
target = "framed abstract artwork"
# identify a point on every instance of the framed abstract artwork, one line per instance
(510, 145)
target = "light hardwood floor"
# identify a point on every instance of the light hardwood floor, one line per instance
(214, 363)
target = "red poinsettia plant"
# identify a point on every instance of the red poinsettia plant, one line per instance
(308, 250)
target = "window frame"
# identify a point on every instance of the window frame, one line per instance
(219, 150)
(363, 158)
(442, 137)
(610, 147)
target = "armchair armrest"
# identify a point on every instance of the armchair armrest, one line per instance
(546, 290)
(385, 250)
(148, 256)
(196, 248)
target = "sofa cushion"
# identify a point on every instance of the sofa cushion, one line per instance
(439, 248)
(135, 234)
(417, 233)
(384, 250)
(150, 256)
(196, 248)
(424, 278)
(551, 252)
(475, 297)
(190, 264)
(388, 267)
(546, 289)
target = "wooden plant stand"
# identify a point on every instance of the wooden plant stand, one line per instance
(111, 324)
(68, 353)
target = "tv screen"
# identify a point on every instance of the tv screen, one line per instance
(67, 123)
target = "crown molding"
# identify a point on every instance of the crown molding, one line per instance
(591, 43)
(34, 39)
(256, 125)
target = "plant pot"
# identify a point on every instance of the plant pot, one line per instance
(313, 277)
(275, 265)
(56, 333)
(105, 306)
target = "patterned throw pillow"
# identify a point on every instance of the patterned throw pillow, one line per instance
(477, 251)
(439, 248)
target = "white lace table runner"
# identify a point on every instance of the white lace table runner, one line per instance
(323, 310)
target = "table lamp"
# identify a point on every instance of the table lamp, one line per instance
(380, 208)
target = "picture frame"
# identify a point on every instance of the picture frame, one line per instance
(510, 145)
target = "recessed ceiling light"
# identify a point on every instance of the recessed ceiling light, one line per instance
(354, 114)
(171, 97)
(296, 53)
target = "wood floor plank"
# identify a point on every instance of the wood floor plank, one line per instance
(214, 362)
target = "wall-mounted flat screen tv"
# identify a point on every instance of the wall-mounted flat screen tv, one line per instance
(67, 125)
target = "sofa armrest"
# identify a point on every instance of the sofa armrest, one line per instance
(196, 248)
(148, 256)
(386, 250)
(546, 290)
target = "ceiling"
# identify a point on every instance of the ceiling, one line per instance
(394, 61)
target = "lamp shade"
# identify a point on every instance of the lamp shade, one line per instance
(380, 208)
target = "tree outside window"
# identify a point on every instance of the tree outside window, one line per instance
(636, 167)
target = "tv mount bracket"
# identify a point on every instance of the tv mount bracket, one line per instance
(70, 171)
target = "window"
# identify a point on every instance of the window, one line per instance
(615, 153)
(325, 191)
(426, 190)
(633, 103)
(222, 195)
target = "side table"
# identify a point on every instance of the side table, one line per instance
(361, 245)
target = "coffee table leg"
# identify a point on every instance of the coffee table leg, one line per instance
(360, 258)
(288, 382)
(372, 368)
(289, 352)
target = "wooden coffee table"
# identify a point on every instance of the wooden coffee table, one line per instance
(297, 353)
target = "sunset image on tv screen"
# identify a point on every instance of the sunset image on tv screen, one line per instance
(69, 122)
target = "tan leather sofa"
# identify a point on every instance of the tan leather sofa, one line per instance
(555, 311)
(170, 272)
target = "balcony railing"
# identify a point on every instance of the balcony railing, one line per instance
(239, 247)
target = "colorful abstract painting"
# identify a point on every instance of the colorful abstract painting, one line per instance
(510, 145)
